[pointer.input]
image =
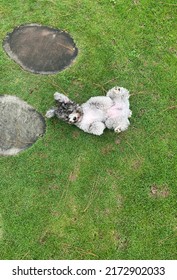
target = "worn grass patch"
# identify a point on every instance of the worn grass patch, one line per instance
(77, 196)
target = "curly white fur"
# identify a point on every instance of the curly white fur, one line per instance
(94, 115)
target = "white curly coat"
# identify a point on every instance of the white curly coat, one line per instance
(100, 112)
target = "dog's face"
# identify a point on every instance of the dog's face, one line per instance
(65, 109)
(75, 116)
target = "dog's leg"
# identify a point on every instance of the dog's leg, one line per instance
(100, 102)
(122, 126)
(97, 128)
(61, 97)
(50, 113)
(109, 123)
(118, 93)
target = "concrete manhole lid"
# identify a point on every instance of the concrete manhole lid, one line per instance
(40, 49)
(20, 125)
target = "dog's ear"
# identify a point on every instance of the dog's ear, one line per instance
(63, 105)
(79, 110)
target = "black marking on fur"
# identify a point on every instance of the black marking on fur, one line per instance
(63, 110)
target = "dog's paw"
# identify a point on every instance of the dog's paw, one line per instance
(117, 89)
(121, 91)
(117, 130)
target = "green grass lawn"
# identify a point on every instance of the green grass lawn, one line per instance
(78, 196)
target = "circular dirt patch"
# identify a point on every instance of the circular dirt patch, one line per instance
(20, 125)
(40, 49)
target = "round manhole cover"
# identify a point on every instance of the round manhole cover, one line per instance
(40, 49)
(20, 125)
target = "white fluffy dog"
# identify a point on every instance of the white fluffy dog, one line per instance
(111, 111)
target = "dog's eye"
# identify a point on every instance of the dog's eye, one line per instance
(74, 119)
